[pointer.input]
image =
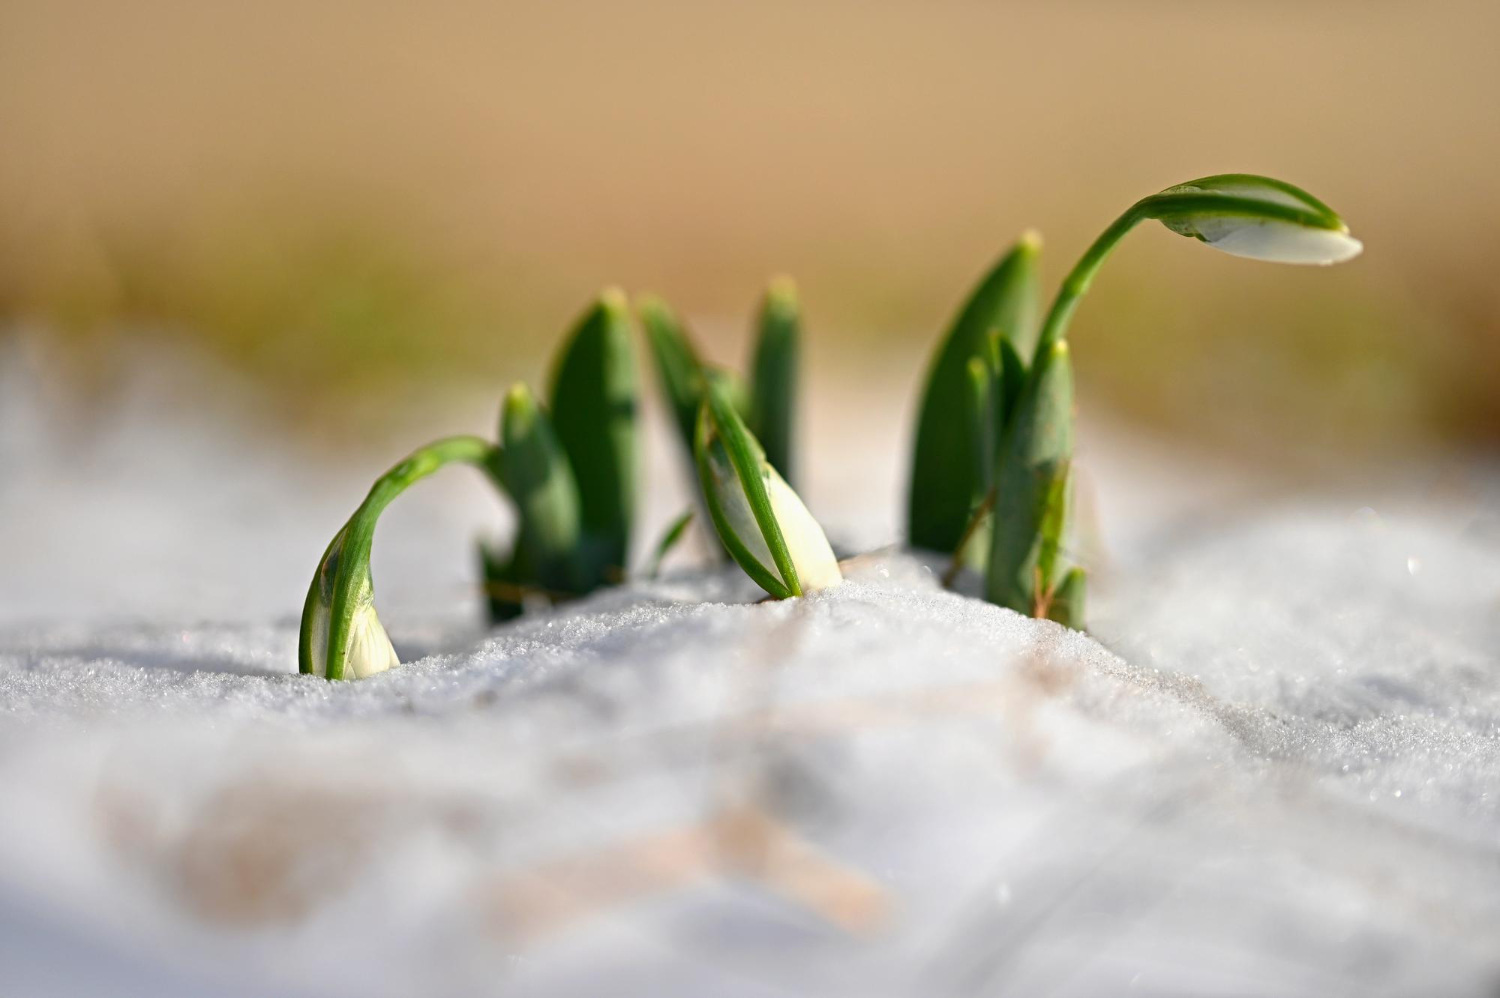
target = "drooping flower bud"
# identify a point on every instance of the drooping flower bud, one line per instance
(1256, 217)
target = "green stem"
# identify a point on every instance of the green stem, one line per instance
(1076, 284)
(1166, 206)
(355, 539)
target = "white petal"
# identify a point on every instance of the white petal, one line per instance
(816, 566)
(811, 556)
(370, 649)
(1279, 242)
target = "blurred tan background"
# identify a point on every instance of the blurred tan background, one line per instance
(368, 208)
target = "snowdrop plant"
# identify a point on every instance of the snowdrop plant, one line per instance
(571, 477)
(765, 411)
(759, 519)
(341, 635)
(1004, 454)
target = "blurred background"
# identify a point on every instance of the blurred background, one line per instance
(363, 220)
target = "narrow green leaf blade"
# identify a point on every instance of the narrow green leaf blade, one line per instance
(945, 481)
(673, 536)
(773, 374)
(1037, 448)
(678, 369)
(593, 409)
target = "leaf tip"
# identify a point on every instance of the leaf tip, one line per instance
(781, 293)
(614, 301)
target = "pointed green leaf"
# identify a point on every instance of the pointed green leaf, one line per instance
(773, 374)
(944, 478)
(1037, 448)
(678, 369)
(594, 415)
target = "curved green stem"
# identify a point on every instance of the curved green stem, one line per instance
(345, 564)
(1076, 284)
(1165, 206)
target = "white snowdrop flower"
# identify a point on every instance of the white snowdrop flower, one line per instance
(763, 523)
(1256, 217)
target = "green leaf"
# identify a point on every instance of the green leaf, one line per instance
(1037, 448)
(678, 369)
(1068, 598)
(945, 481)
(773, 374)
(674, 534)
(594, 414)
(539, 478)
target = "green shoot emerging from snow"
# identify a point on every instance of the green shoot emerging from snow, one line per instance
(995, 434)
(990, 471)
(341, 634)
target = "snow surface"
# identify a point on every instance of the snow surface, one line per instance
(1273, 769)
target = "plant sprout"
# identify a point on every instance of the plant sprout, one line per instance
(767, 405)
(954, 446)
(341, 632)
(1240, 213)
(1005, 454)
(759, 519)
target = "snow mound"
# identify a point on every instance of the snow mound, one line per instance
(885, 789)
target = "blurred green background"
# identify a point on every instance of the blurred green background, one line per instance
(366, 207)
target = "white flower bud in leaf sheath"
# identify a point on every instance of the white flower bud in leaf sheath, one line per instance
(1239, 213)
(367, 648)
(341, 636)
(762, 522)
(1256, 217)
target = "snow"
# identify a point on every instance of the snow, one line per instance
(1272, 769)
